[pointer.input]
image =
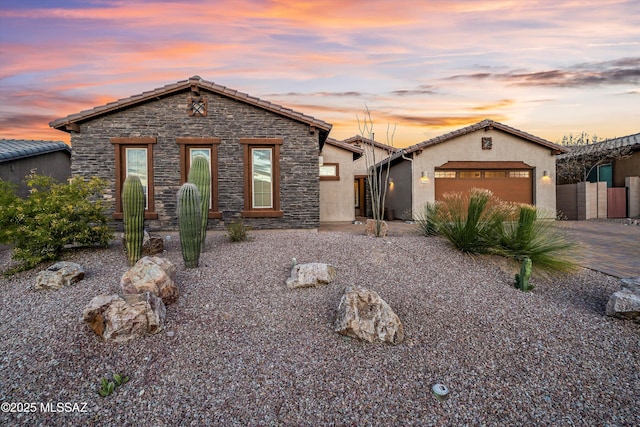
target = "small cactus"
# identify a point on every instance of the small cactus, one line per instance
(522, 278)
(133, 216)
(189, 221)
(200, 175)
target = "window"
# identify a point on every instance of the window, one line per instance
(445, 174)
(495, 174)
(261, 177)
(469, 174)
(329, 172)
(519, 174)
(134, 156)
(207, 147)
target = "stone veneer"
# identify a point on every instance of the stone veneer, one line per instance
(167, 119)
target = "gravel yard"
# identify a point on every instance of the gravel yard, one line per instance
(241, 349)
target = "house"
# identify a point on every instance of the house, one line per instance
(514, 165)
(613, 187)
(263, 157)
(338, 199)
(18, 157)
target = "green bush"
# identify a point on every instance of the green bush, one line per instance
(237, 231)
(426, 219)
(471, 221)
(533, 236)
(53, 216)
(478, 222)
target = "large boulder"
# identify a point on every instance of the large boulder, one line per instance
(625, 303)
(362, 314)
(58, 275)
(370, 228)
(121, 318)
(151, 274)
(311, 274)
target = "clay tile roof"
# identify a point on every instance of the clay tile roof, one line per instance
(358, 139)
(13, 149)
(482, 125)
(341, 144)
(183, 85)
(631, 141)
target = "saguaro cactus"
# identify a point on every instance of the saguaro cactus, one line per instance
(200, 175)
(189, 221)
(133, 215)
(522, 278)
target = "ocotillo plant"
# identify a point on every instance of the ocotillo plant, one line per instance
(522, 278)
(189, 221)
(200, 175)
(133, 215)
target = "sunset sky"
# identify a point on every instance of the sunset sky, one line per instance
(547, 67)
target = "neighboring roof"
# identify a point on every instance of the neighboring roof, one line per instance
(483, 125)
(195, 82)
(356, 140)
(631, 141)
(341, 144)
(14, 149)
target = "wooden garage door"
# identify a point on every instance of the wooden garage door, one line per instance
(512, 185)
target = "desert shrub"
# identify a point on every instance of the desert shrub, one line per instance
(237, 231)
(52, 217)
(426, 219)
(7, 209)
(533, 236)
(471, 221)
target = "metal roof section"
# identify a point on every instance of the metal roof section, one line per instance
(631, 141)
(194, 83)
(14, 149)
(486, 124)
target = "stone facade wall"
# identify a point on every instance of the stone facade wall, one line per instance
(167, 119)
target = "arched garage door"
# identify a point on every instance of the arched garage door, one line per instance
(509, 181)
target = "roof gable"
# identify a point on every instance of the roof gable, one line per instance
(14, 149)
(486, 124)
(194, 83)
(359, 140)
(341, 144)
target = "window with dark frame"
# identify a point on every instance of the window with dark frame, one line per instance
(135, 156)
(329, 172)
(261, 177)
(208, 147)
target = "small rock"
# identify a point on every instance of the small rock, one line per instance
(625, 303)
(363, 315)
(151, 274)
(122, 318)
(58, 275)
(311, 274)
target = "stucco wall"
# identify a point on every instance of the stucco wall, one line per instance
(56, 165)
(337, 197)
(506, 147)
(227, 119)
(629, 166)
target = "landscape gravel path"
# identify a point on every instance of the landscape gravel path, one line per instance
(241, 349)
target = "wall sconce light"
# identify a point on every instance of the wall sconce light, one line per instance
(424, 178)
(545, 173)
(391, 184)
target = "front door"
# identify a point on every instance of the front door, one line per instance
(360, 196)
